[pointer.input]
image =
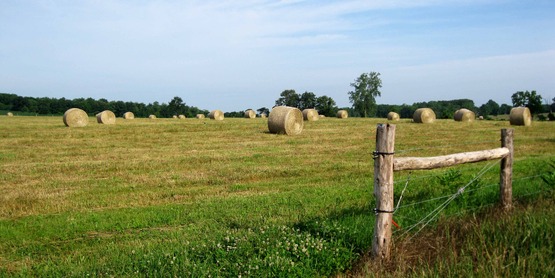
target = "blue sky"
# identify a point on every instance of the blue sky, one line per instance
(234, 55)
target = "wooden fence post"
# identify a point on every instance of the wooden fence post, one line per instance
(383, 190)
(506, 183)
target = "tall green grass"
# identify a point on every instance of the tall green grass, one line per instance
(204, 198)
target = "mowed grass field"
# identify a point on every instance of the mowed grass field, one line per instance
(190, 197)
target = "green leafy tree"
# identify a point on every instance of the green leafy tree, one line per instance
(529, 99)
(489, 108)
(263, 110)
(504, 109)
(326, 106)
(289, 98)
(367, 88)
(175, 107)
(307, 100)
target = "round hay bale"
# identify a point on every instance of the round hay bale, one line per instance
(464, 115)
(424, 116)
(200, 116)
(520, 116)
(342, 114)
(182, 117)
(106, 117)
(9, 114)
(263, 116)
(285, 120)
(152, 116)
(393, 116)
(128, 115)
(322, 116)
(250, 114)
(174, 117)
(481, 118)
(216, 115)
(75, 117)
(310, 115)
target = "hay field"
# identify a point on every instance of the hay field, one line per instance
(164, 196)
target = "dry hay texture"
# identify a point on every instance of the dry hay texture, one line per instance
(200, 116)
(464, 115)
(75, 117)
(342, 114)
(424, 116)
(152, 116)
(520, 116)
(129, 116)
(217, 115)
(392, 116)
(263, 116)
(9, 114)
(182, 117)
(106, 117)
(310, 115)
(285, 120)
(174, 117)
(250, 114)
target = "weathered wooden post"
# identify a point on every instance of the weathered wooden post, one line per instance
(383, 190)
(506, 183)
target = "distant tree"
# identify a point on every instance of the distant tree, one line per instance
(176, 107)
(504, 109)
(367, 88)
(118, 107)
(529, 99)
(307, 100)
(326, 106)
(406, 111)
(289, 98)
(234, 114)
(263, 110)
(489, 108)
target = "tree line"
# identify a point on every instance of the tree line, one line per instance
(363, 99)
(55, 106)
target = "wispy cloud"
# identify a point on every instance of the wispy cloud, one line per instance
(241, 47)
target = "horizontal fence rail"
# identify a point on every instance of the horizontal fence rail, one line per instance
(426, 163)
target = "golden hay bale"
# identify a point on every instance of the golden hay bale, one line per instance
(520, 116)
(464, 115)
(263, 116)
(285, 120)
(129, 116)
(424, 116)
(250, 114)
(174, 117)
(182, 117)
(75, 117)
(481, 118)
(322, 116)
(342, 114)
(217, 115)
(310, 115)
(200, 116)
(152, 116)
(9, 114)
(393, 116)
(106, 117)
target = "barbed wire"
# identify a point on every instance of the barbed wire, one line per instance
(434, 213)
(450, 146)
